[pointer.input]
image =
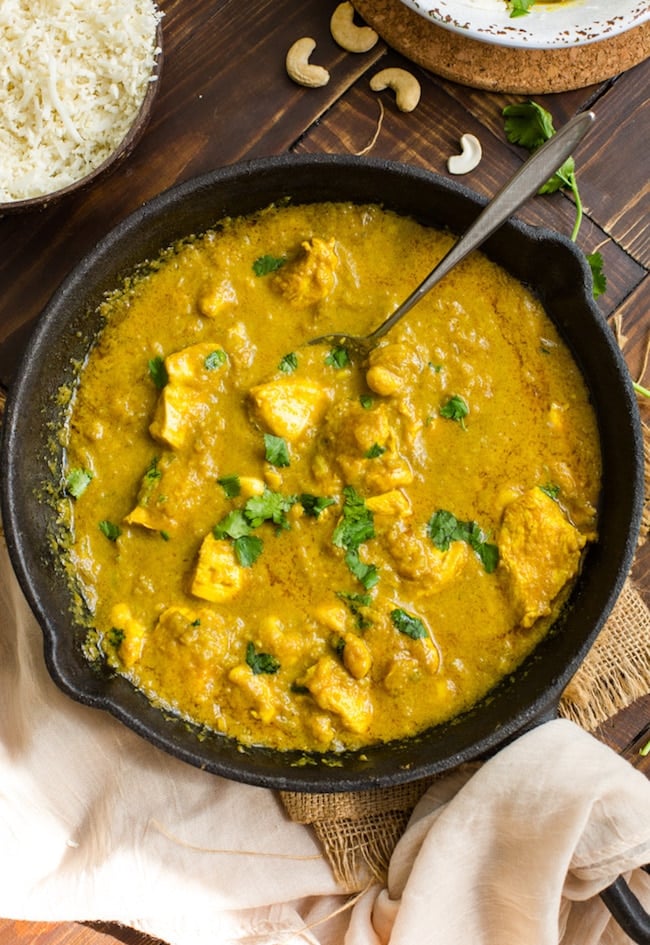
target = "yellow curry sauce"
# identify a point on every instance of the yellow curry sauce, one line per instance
(292, 548)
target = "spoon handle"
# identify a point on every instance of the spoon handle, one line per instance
(526, 182)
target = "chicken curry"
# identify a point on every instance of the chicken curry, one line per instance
(296, 549)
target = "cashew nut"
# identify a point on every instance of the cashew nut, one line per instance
(468, 159)
(405, 86)
(352, 38)
(299, 67)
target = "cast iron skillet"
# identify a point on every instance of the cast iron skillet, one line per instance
(32, 461)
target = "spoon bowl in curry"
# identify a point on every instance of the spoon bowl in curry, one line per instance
(526, 182)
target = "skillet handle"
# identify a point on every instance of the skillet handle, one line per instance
(627, 911)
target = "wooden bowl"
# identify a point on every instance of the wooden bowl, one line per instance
(113, 161)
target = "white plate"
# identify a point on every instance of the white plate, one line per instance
(546, 25)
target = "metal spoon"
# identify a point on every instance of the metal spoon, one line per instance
(526, 182)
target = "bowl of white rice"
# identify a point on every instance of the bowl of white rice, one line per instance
(79, 81)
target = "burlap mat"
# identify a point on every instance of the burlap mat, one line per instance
(358, 831)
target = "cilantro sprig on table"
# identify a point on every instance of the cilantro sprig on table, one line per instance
(530, 125)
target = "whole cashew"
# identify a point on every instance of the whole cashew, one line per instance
(468, 159)
(405, 86)
(299, 67)
(352, 38)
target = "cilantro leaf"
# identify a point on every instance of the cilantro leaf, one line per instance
(230, 485)
(366, 401)
(77, 481)
(338, 358)
(314, 504)
(111, 531)
(247, 549)
(289, 363)
(261, 662)
(455, 409)
(158, 372)
(367, 574)
(595, 261)
(215, 359)
(444, 527)
(408, 624)
(375, 451)
(263, 265)
(520, 7)
(276, 450)
(551, 490)
(270, 506)
(528, 124)
(355, 603)
(234, 525)
(115, 636)
(356, 524)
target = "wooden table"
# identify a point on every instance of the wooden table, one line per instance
(225, 96)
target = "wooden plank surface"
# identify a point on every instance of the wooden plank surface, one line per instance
(224, 96)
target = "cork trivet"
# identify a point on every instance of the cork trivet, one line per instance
(358, 831)
(499, 68)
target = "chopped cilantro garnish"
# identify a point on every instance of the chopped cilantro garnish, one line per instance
(153, 473)
(230, 485)
(551, 490)
(289, 363)
(314, 504)
(261, 662)
(234, 525)
(215, 359)
(520, 7)
(111, 531)
(354, 603)
(444, 527)
(366, 401)
(77, 481)
(338, 358)
(263, 265)
(455, 409)
(276, 450)
(375, 451)
(367, 574)
(248, 548)
(408, 624)
(338, 644)
(115, 636)
(158, 372)
(268, 507)
(164, 535)
(356, 524)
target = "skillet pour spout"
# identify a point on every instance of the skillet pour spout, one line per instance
(547, 262)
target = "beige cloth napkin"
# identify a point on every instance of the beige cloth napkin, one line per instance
(96, 824)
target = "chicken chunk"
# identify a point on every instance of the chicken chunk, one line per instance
(218, 576)
(258, 689)
(539, 551)
(194, 375)
(290, 407)
(391, 366)
(311, 276)
(334, 690)
(131, 635)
